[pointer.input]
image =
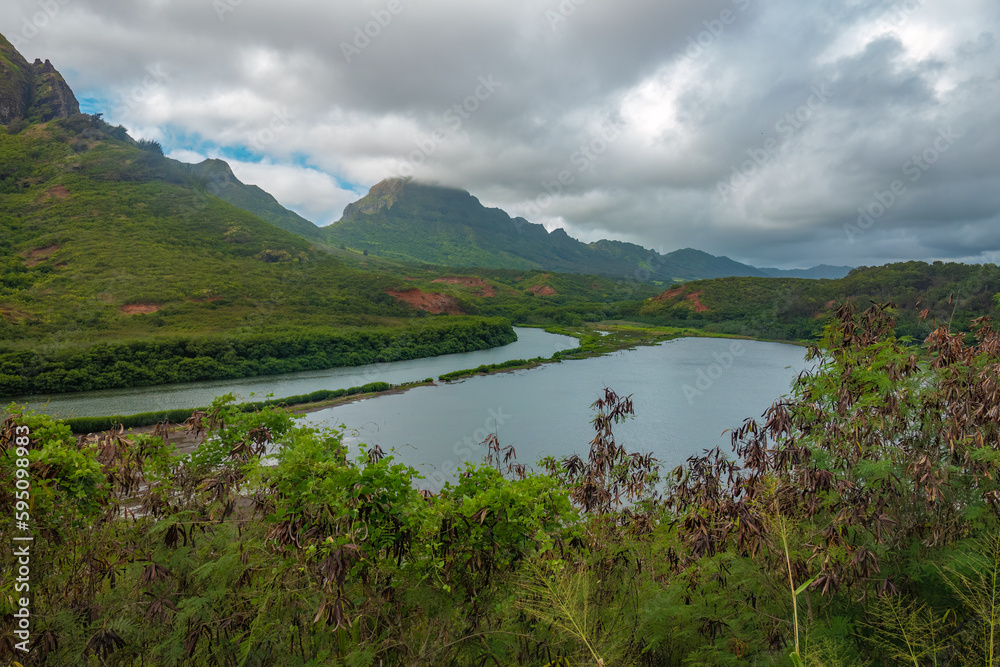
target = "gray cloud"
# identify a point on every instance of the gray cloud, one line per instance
(742, 128)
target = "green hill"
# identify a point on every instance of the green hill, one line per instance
(219, 180)
(412, 221)
(796, 308)
(120, 267)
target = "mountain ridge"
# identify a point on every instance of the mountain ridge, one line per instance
(413, 221)
(219, 180)
(32, 91)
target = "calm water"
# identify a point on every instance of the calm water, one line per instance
(530, 343)
(686, 393)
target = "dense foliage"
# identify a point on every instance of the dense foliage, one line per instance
(858, 524)
(179, 359)
(797, 309)
(417, 222)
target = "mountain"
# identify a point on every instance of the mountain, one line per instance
(31, 91)
(447, 226)
(120, 267)
(795, 308)
(220, 181)
(816, 272)
(411, 221)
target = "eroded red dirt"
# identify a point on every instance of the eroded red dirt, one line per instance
(428, 301)
(542, 290)
(139, 308)
(699, 307)
(670, 294)
(39, 255)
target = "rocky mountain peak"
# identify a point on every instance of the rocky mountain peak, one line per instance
(35, 92)
(383, 194)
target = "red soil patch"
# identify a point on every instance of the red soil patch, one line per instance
(670, 294)
(693, 297)
(139, 308)
(39, 255)
(485, 289)
(12, 315)
(542, 290)
(428, 301)
(699, 307)
(58, 192)
(831, 303)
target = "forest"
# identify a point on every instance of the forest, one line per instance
(855, 523)
(136, 363)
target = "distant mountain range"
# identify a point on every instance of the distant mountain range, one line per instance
(411, 221)
(398, 219)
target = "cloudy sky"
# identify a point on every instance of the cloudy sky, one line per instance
(777, 132)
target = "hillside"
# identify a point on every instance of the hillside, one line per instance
(412, 221)
(796, 308)
(120, 267)
(31, 92)
(219, 180)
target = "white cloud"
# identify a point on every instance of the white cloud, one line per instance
(688, 115)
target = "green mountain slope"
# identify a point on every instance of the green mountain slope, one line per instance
(797, 308)
(412, 221)
(218, 179)
(447, 226)
(31, 91)
(120, 267)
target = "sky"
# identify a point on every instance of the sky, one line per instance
(780, 133)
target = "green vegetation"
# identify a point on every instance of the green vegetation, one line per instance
(856, 524)
(97, 424)
(180, 359)
(491, 368)
(797, 309)
(118, 268)
(221, 182)
(414, 222)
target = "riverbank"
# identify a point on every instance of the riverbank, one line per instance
(594, 340)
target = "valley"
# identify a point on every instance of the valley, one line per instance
(431, 433)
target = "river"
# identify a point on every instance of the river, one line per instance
(687, 392)
(530, 343)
